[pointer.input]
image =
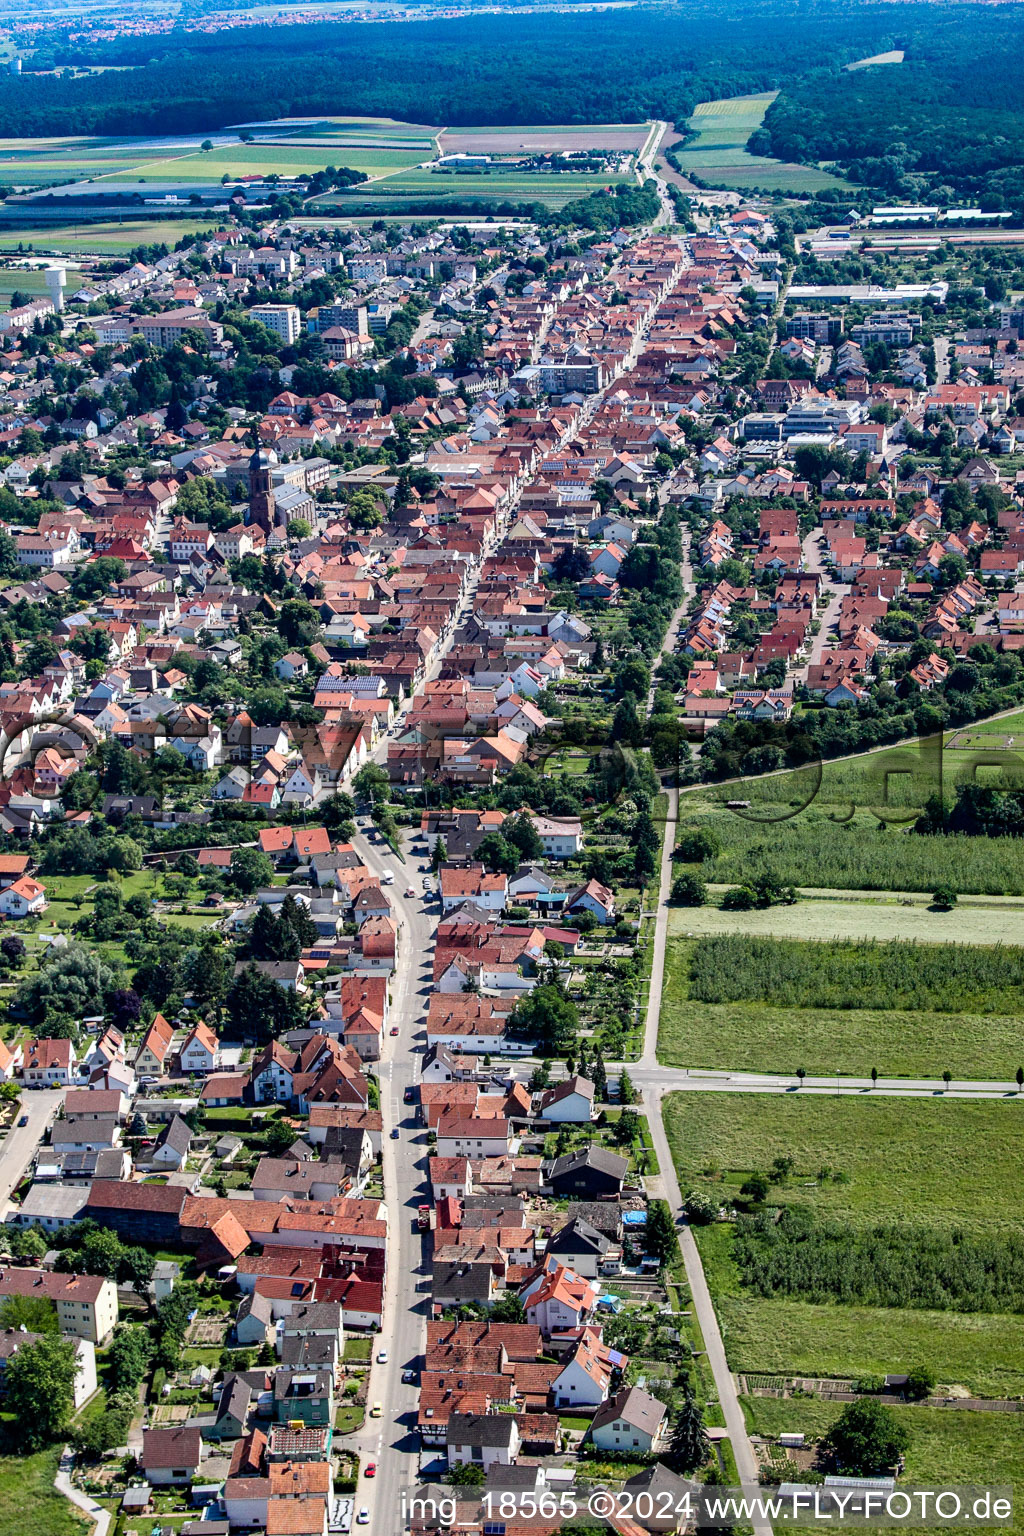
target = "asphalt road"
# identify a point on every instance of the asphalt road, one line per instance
(19, 1145)
(392, 1441)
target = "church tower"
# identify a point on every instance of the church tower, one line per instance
(262, 502)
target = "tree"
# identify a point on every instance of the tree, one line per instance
(627, 1093)
(920, 1382)
(136, 1269)
(466, 1474)
(259, 1010)
(661, 1241)
(801, 1073)
(521, 833)
(439, 855)
(689, 890)
(627, 726)
(40, 1381)
(71, 985)
(509, 1309)
(700, 1209)
(944, 899)
(250, 869)
(947, 1077)
(739, 898)
(867, 1439)
(699, 846)
(547, 1016)
(1019, 1078)
(599, 1078)
(12, 948)
(279, 1137)
(755, 1189)
(874, 1076)
(206, 146)
(627, 1127)
(35, 1314)
(28, 1243)
(372, 782)
(688, 1446)
(129, 1357)
(364, 510)
(495, 854)
(298, 528)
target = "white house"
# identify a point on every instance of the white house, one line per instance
(632, 1420)
(571, 1103)
(49, 1063)
(22, 898)
(562, 838)
(201, 1050)
(484, 1439)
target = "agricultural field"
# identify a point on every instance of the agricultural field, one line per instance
(20, 280)
(894, 56)
(833, 914)
(946, 1448)
(40, 162)
(846, 824)
(425, 187)
(271, 159)
(543, 140)
(104, 239)
(859, 1165)
(718, 154)
(895, 1034)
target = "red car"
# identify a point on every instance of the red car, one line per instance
(394, 1029)
(370, 1470)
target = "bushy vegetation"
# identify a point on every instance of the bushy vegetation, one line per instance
(880, 1266)
(738, 967)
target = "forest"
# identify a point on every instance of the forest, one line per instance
(529, 68)
(881, 1266)
(947, 978)
(945, 126)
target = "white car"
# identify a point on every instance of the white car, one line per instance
(382, 1357)
(363, 1517)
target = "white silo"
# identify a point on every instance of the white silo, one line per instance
(55, 278)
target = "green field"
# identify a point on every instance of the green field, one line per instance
(983, 1352)
(848, 823)
(38, 162)
(104, 239)
(21, 280)
(424, 188)
(29, 1503)
(718, 154)
(271, 159)
(947, 1447)
(935, 1162)
(757, 1037)
(945, 1165)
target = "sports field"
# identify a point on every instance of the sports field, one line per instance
(719, 157)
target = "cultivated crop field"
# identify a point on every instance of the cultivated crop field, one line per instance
(718, 155)
(894, 1033)
(272, 159)
(543, 140)
(112, 238)
(425, 187)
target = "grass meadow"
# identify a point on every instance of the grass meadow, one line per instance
(947, 1447)
(929, 1162)
(427, 187)
(102, 239)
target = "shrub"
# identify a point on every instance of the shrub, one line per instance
(739, 898)
(689, 890)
